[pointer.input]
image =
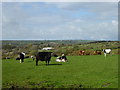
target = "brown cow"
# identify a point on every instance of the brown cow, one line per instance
(82, 52)
(97, 52)
(87, 53)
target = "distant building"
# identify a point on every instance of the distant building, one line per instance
(48, 48)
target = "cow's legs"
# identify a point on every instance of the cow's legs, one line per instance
(33, 59)
(36, 62)
(20, 60)
(105, 54)
(46, 62)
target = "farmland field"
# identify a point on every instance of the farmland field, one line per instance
(93, 71)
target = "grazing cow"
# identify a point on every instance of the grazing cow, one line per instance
(82, 52)
(22, 56)
(107, 51)
(43, 56)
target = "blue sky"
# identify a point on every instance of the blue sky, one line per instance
(60, 20)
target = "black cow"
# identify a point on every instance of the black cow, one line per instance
(43, 56)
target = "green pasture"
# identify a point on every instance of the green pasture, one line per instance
(80, 72)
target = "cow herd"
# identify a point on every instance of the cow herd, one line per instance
(42, 56)
(96, 52)
(46, 56)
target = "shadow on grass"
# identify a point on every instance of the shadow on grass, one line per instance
(49, 64)
(55, 64)
(29, 61)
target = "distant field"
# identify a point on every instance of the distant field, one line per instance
(80, 72)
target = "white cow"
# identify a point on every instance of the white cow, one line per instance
(107, 51)
(23, 53)
(59, 59)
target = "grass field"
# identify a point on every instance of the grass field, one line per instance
(80, 72)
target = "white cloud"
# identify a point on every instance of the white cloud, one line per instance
(18, 24)
(114, 22)
(102, 9)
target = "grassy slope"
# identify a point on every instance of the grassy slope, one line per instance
(80, 71)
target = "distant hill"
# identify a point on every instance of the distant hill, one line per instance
(23, 42)
(11, 48)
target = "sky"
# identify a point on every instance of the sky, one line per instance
(59, 21)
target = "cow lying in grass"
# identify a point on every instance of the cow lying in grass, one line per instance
(63, 58)
(59, 59)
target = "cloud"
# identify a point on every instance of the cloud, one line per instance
(102, 9)
(98, 31)
(60, 21)
(114, 22)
